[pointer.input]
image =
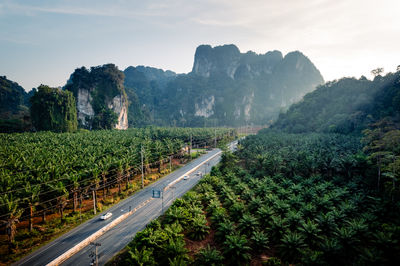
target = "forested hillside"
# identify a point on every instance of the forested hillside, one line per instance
(145, 87)
(14, 107)
(344, 106)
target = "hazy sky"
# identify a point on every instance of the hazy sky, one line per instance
(43, 41)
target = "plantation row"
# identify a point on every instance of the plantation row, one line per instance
(41, 172)
(299, 199)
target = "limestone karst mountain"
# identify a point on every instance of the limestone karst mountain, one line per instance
(225, 87)
(99, 94)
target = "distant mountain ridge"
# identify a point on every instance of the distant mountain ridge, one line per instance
(225, 87)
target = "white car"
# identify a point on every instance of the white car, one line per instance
(185, 177)
(106, 216)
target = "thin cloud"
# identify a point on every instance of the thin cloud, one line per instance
(67, 10)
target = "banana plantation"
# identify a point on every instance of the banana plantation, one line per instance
(46, 173)
(280, 199)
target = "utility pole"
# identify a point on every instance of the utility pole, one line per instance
(96, 244)
(215, 138)
(162, 200)
(94, 201)
(80, 206)
(190, 147)
(141, 155)
(170, 163)
(173, 189)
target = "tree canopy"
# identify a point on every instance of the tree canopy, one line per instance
(53, 109)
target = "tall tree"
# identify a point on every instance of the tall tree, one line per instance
(53, 109)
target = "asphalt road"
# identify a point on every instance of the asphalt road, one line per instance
(119, 236)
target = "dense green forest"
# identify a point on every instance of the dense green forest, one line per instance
(281, 199)
(344, 106)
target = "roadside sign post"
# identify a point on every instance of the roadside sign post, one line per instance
(95, 244)
(156, 194)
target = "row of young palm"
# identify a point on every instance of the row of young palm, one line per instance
(297, 199)
(42, 172)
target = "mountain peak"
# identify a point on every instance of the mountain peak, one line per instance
(228, 60)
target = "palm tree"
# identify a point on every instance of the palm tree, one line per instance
(294, 219)
(260, 241)
(255, 204)
(265, 214)
(326, 222)
(310, 232)
(237, 210)
(12, 213)
(224, 229)
(247, 224)
(175, 247)
(236, 249)
(277, 227)
(348, 240)
(332, 250)
(291, 247)
(198, 228)
(142, 257)
(218, 215)
(208, 256)
(177, 214)
(181, 260)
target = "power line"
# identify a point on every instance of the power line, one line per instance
(85, 180)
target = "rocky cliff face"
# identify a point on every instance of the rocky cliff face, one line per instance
(221, 59)
(84, 107)
(97, 91)
(205, 107)
(257, 83)
(119, 105)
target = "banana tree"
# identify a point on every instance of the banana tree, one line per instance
(32, 199)
(11, 214)
(73, 178)
(62, 197)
